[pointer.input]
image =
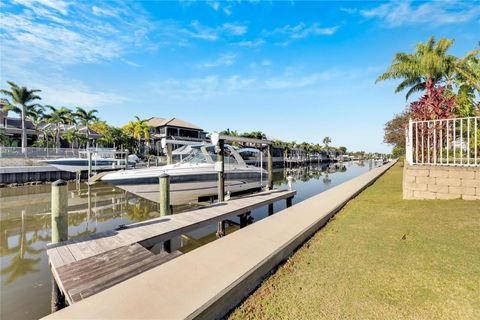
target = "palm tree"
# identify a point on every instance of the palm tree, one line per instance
(139, 130)
(72, 136)
(22, 101)
(57, 117)
(86, 118)
(427, 66)
(326, 142)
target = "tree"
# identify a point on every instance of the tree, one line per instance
(343, 150)
(395, 131)
(86, 118)
(22, 100)
(437, 105)
(56, 118)
(111, 135)
(427, 66)
(72, 136)
(326, 142)
(138, 130)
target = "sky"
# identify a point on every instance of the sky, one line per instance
(296, 70)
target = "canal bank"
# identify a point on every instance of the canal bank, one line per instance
(225, 270)
(381, 257)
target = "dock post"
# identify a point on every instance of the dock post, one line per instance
(169, 154)
(59, 217)
(89, 164)
(220, 168)
(270, 167)
(164, 181)
(244, 219)
(289, 202)
(126, 159)
(165, 209)
(59, 211)
(221, 171)
(270, 209)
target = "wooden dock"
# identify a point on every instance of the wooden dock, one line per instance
(85, 266)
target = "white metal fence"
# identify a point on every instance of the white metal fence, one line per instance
(45, 153)
(450, 142)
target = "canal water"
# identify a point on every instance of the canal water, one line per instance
(25, 280)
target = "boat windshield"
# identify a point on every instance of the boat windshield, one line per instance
(206, 154)
(196, 157)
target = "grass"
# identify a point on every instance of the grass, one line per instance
(381, 257)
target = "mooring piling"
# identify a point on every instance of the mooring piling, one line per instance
(59, 219)
(165, 208)
(270, 167)
(59, 211)
(164, 182)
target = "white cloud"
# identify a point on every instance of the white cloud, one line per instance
(222, 60)
(251, 43)
(301, 30)
(396, 14)
(235, 29)
(215, 5)
(227, 10)
(198, 31)
(212, 85)
(45, 32)
(77, 94)
(39, 6)
(266, 62)
(295, 82)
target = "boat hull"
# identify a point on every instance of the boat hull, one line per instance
(76, 165)
(187, 186)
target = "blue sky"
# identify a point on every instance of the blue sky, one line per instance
(295, 70)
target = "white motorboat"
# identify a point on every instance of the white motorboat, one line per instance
(192, 178)
(101, 160)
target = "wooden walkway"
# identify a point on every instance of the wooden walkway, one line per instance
(85, 266)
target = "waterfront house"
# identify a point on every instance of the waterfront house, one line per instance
(12, 128)
(173, 128)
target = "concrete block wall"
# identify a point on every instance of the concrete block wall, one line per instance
(441, 182)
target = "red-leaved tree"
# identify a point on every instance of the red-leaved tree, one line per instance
(436, 104)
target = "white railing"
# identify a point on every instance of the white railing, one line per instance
(449, 142)
(45, 153)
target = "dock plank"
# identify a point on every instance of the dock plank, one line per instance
(83, 278)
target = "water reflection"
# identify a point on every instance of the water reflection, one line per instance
(25, 227)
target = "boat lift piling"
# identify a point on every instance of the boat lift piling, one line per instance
(218, 140)
(89, 154)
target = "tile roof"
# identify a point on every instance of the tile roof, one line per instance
(174, 122)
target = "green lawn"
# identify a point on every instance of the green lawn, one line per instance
(381, 258)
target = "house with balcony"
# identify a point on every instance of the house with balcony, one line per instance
(173, 128)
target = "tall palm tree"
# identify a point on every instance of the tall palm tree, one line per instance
(22, 99)
(86, 118)
(427, 66)
(326, 142)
